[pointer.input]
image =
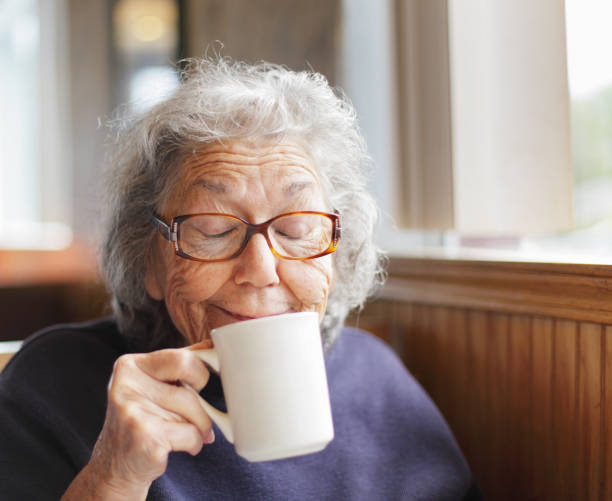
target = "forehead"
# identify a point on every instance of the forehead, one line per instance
(284, 169)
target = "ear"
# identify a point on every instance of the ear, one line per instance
(152, 283)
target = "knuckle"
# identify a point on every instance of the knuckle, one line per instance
(176, 360)
(122, 369)
(125, 363)
(160, 456)
(158, 452)
(196, 449)
(131, 418)
(199, 375)
(148, 430)
(196, 442)
(183, 362)
(114, 392)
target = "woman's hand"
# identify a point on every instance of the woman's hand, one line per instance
(149, 414)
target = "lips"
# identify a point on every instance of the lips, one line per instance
(240, 317)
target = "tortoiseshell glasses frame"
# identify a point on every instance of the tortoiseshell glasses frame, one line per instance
(172, 233)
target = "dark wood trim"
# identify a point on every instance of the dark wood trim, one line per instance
(572, 291)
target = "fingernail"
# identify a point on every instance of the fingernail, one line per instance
(210, 437)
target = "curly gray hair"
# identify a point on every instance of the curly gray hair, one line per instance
(220, 99)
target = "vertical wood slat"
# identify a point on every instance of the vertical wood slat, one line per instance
(588, 413)
(419, 346)
(563, 409)
(477, 336)
(406, 318)
(404, 314)
(440, 356)
(498, 413)
(459, 413)
(542, 437)
(520, 396)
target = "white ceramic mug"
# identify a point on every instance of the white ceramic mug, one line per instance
(275, 386)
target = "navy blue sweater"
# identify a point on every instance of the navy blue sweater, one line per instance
(391, 442)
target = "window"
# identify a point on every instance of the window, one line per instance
(58, 89)
(34, 166)
(478, 161)
(589, 43)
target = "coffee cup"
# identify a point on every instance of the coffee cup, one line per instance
(275, 386)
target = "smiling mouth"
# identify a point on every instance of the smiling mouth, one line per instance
(240, 317)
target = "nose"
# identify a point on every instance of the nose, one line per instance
(257, 264)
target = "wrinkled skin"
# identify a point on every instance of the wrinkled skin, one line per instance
(149, 413)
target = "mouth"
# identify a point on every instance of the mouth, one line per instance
(238, 317)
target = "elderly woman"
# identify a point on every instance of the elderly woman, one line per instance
(96, 411)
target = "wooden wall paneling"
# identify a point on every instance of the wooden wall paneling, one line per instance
(477, 360)
(589, 468)
(570, 291)
(520, 403)
(396, 337)
(419, 345)
(27, 309)
(606, 391)
(440, 357)
(542, 438)
(376, 319)
(519, 359)
(498, 325)
(459, 412)
(404, 318)
(564, 395)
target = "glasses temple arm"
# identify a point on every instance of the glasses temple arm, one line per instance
(338, 224)
(163, 228)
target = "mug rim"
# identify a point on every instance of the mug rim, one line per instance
(280, 316)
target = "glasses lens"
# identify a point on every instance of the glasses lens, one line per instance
(301, 235)
(211, 236)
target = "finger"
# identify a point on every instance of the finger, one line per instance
(174, 365)
(184, 401)
(171, 402)
(184, 437)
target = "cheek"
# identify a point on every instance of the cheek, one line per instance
(189, 286)
(309, 281)
(193, 282)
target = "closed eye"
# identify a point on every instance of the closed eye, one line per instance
(219, 235)
(284, 234)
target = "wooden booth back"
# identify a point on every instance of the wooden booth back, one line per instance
(519, 359)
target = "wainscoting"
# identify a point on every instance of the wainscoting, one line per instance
(519, 359)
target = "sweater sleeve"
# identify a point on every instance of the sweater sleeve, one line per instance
(33, 462)
(52, 401)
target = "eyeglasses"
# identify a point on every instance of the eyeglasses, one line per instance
(213, 237)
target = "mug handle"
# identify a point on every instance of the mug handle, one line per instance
(221, 419)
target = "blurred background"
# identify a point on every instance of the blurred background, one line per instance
(490, 123)
(490, 126)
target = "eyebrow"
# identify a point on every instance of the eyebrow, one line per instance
(297, 186)
(290, 189)
(216, 187)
